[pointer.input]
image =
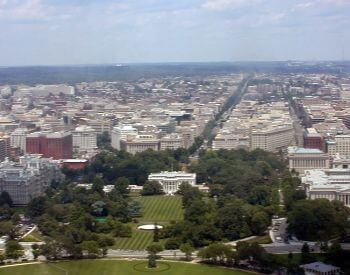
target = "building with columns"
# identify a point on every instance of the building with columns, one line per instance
(171, 181)
(331, 184)
(140, 143)
(301, 159)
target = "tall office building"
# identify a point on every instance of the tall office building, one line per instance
(120, 133)
(339, 146)
(18, 138)
(84, 139)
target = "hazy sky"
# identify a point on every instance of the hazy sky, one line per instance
(112, 31)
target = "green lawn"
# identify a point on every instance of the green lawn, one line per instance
(139, 241)
(160, 209)
(118, 267)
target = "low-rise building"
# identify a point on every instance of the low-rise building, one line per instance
(319, 268)
(331, 184)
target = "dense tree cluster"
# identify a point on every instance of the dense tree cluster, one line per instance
(318, 220)
(251, 176)
(245, 254)
(136, 168)
(78, 221)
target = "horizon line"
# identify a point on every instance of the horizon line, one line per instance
(168, 62)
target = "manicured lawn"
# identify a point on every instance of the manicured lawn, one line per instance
(160, 209)
(139, 241)
(120, 267)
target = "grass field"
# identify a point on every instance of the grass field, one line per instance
(108, 267)
(139, 241)
(160, 209)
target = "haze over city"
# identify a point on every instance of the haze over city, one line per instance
(53, 32)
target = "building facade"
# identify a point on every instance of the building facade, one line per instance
(18, 138)
(29, 178)
(331, 184)
(171, 181)
(171, 142)
(272, 139)
(57, 145)
(313, 140)
(230, 141)
(140, 143)
(301, 159)
(84, 139)
(339, 146)
(120, 133)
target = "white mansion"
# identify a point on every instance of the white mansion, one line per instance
(171, 181)
(331, 184)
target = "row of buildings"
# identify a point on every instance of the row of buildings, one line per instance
(323, 158)
(252, 125)
(58, 145)
(163, 113)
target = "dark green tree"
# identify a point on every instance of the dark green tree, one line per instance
(13, 250)
(188, 249)
(156, 233)
(152, 188)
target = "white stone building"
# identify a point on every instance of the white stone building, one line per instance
(171, 141)
(29, 178)
(140, 143)
(120, 133)
(301, 159)
(18, 138)
(331, 184)
(171, 181)
(273, 138)
(230, 141)
(84, 139)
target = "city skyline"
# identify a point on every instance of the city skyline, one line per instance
(51, 32)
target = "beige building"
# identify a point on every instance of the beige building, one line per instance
(140, 143)
(339, 146)
(272, 139)
(230, 141)
(172, 142)
(121, 133)
(84, 139)
(301, 159)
